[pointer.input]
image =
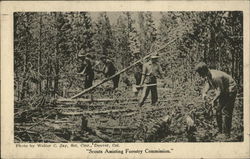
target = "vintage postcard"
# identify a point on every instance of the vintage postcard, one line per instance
(127, 79)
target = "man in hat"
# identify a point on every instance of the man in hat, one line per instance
(86, 69)
(150, 72)
(225, 91)
(109, 69)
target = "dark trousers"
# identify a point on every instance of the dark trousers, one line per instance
(137, 76)
(224, 112)
(89, 78)
(145, 92)
(116, 81)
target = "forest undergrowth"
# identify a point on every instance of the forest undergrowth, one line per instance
(42, 119)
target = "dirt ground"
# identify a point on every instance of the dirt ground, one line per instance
(43, 119)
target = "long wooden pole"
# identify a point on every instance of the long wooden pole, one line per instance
(123, 70)
(107, 79)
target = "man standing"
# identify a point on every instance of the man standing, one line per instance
(137, 71)
(225, 91)
(109, 70)
(150, 72)
(87, 70)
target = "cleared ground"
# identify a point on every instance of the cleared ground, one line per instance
(118, 118)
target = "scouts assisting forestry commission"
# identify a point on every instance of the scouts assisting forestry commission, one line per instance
(128, 151)
(223, 84)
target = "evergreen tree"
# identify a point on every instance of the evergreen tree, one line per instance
(147, 32)
(103, 38)
(126, 38)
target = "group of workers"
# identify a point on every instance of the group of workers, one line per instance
(89, 65)
(146, 75)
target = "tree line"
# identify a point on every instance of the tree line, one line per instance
(46, 44)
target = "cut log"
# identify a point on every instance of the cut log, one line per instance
(37, 123)
(18, 138)
(98, 112)
(85, 100)
(74, 101)
(122, 71)
(129, 114)
(68, 108)
(69, 100)
(27, 131)
(117, 128)
(148, 101)
(23, 124)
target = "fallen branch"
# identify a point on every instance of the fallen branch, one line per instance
(167, 100)
(18, 138)
(117, 127)
(74, 101)
(98, 112)
(37, 123)
(86, 100)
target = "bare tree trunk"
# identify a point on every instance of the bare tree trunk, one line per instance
(212, 47)
(56, 62)
(49, 78)
(24, 84)
(40, 58)
(205, 53)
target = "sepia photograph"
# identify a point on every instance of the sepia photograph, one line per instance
(128, 76)
(125, 79)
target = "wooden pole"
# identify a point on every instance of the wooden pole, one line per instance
(107, 79)
(123, 70)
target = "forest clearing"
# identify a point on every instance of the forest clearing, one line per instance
(52, 104)
(120, 120)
